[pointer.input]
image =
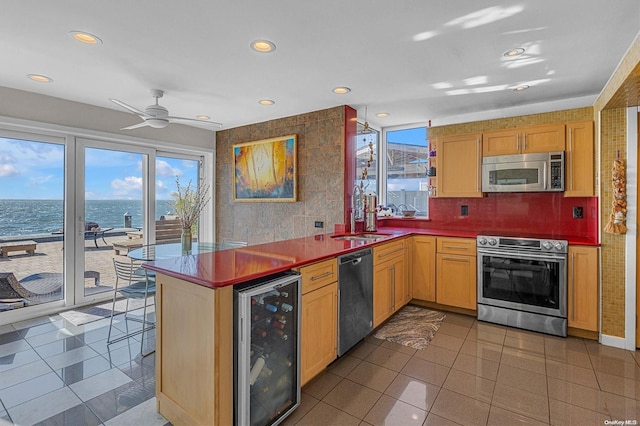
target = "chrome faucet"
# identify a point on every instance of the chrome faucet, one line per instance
(353, 207)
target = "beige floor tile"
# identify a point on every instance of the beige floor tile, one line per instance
(372, 376)
(530, 336)
(352, 398)
(426, 371)
(484, 350)
(307, 402)
(486, 335)
(343, 365)
(569, 356)
(470, 385)
(390, 411)
(524, 360)
(501, 417)
(459, 319)
(460, 408)
(362, 350)
(618, 385)
(562, 414)
(324, 414)
(521, 402)
(438, 355)
(525, 345)
(556, 343)
(571, 373)
(388, 358)
(321, 385)
(373, 340)
(477, 366)
(435, 420)
(413, 391)
(575, 394)
(615, 366)
(619, 407)
(522, 379)
(407, 350)
(596, 349)
(490, 327)
(454, 330)
(448, 342)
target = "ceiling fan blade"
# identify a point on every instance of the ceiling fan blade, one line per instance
(192, 120)
(135, 126)
(130, 108)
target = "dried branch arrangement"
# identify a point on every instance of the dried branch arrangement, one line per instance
(188, 202)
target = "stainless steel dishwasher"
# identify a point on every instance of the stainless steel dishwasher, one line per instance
(355, 298)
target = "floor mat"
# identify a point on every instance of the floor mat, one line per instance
(412, 326)
(92, 313)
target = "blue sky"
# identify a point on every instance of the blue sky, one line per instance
(415, 136)
(34, 170)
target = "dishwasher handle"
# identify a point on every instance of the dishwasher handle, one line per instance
(354, 258)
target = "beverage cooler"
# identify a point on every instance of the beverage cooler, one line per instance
(267, 349)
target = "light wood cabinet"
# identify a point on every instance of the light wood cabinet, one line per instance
(524, 140)
(582, 288)
(423, 268)
(390, 284)
(459, 160)
(456, 272)
(579, 160)
(319, 318)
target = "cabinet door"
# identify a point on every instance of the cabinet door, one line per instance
(319, 331)
(423, 268)
(579, 178)
(582, 288)
(381, 293)
(502, 142)
(459, 163)
(456, 283)
(543, 139)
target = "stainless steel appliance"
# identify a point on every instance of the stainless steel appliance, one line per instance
(539, 172)
(355, 298)
(522, 282)
(370, 213)
(267, 350)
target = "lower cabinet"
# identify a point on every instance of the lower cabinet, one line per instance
(391, 289)
(456, 272)
(319, 318)
(582, 288)
(423, 268)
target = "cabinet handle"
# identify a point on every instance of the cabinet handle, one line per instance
(392, 271)
(524, 141)
(517, 142)
(570, 151)
(391, 252)
(457, 259)
(454, 247)
(478, 157)
(317, 277)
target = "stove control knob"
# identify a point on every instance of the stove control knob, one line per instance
(558, 245)
(482, 241)
(547, 245)
(493, 241)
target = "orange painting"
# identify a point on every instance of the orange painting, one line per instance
(265, 170)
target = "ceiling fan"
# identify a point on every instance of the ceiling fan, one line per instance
(156, 115)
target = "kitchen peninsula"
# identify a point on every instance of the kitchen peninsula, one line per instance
(194, 308)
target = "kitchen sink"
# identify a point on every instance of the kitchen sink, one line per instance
(361, 237)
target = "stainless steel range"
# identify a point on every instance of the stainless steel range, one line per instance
(522, 282)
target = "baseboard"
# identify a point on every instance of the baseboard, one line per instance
(616, 342)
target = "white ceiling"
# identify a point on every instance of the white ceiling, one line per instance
(418, 60)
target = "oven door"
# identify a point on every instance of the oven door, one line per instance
(528, 282)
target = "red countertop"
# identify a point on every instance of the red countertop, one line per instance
(234, 266)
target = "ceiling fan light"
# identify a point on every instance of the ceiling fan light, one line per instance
(157, 123)
(513, 52)
(203, 117)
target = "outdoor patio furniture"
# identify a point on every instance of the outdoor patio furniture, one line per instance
(167, 231)
(37, 288)
(27, 245)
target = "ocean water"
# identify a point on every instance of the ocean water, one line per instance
(30, 217)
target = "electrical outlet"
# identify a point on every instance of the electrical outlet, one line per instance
(318, 224)
(464, 210)
(578, 212)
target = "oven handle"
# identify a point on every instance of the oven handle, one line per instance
(524, 256)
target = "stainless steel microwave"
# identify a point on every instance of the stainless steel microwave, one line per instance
(539, 172)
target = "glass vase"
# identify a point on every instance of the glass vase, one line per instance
(186, 239)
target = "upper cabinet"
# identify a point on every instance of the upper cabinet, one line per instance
(579, 178)
(459, 162)
(524, 140)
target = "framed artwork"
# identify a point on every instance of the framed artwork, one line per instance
(265, 170)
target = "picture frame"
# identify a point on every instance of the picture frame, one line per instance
(265, 170)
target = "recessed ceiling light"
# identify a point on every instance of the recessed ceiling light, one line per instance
(513, 52)
(263, 46)
(266, 102)
(86, 38)
(202, 117)
(40, 78)
(341, 90)
(520, 88)
(382, 114)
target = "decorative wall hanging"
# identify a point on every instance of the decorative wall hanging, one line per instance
(265, 170)
(618, 218)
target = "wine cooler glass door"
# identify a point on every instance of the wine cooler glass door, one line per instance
(267, 351)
